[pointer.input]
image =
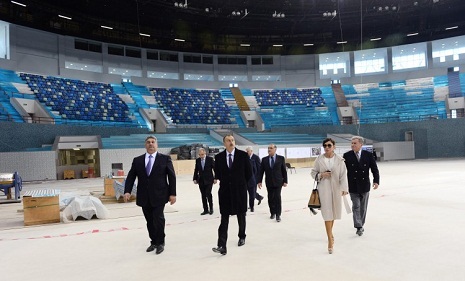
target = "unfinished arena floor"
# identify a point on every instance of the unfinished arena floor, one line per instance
(415, 231)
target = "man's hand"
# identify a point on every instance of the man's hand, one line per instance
(127, 197)
(260, 185)
(195, 182)
(375, 185)
(172, 199)
(284, 184)
(215, 181)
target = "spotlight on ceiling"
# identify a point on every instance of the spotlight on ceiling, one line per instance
(278, 15)
(238, 13)
(330, 14)
(181, 5)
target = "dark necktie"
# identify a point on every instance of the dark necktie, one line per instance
(230, 161)
(149, 165)
(358, 156)
(203, 163)
(272, 162)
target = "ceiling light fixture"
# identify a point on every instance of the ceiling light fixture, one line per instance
(308, 44)
(375, 39)
(330, 14)
(179, 40)
(277, 45)
(144, 34)
(245, 45)
(64, 17)
(412, 34)
(341, 42)
(278, 15)
(237, 13)
(181, 5)
(19, 4)
(106, 27)
(452, 27)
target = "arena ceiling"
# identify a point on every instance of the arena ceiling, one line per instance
(245, 26)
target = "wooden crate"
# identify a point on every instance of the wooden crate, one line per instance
(41, 210)
(85, 174)
(108, 189)
(68, 174)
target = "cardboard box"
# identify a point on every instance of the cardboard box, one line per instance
(85, 174)
(41, 210)
(68, 174)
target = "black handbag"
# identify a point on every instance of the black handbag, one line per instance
(314, 201)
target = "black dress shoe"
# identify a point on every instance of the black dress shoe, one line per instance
(221, 250)
(278, 218)
(151, 248)
(211, 212)
(252, 209)
(203, 213)
(272, 216)
(241, 242)
(260, 201)
(160, 249)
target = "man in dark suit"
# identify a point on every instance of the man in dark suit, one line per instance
(233, 170)
(156, 186)
(252, 184)
(203, 176)
(358, 163)
(274, 168)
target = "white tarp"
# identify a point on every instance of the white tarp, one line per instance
(119, 189)
(86, 207)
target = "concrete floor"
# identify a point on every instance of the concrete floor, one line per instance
(414, 231)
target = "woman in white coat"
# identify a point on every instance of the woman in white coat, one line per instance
(330, 172)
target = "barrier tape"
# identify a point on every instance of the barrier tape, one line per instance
(95, 231)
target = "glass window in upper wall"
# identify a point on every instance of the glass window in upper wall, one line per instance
(334, 65)
(409, 56)
(370, 61)
(448, 50)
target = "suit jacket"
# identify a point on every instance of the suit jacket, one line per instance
(204, 176)
(232, 193)
(358, 173)
(255, 163)
(275, 177)
(155, 189)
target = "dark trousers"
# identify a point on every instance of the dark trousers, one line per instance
(155, 224)
(223, 229)
(274, 200)
(252, 189)
(359, 208)
(207, 198)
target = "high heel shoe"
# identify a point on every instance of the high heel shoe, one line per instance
(331, 247)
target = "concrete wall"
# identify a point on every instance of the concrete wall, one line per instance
(433, 138)
(50, 52)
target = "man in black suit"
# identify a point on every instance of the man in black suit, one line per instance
(252, 184)
(358, 163)
(156, 186)
(274, 168)
(233, 170)
(203, 176)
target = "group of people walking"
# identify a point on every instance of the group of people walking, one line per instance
(239, 174)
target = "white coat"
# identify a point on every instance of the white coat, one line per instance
(330, 190)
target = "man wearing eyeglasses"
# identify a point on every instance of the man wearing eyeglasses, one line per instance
(358, 163)
(274, 168)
